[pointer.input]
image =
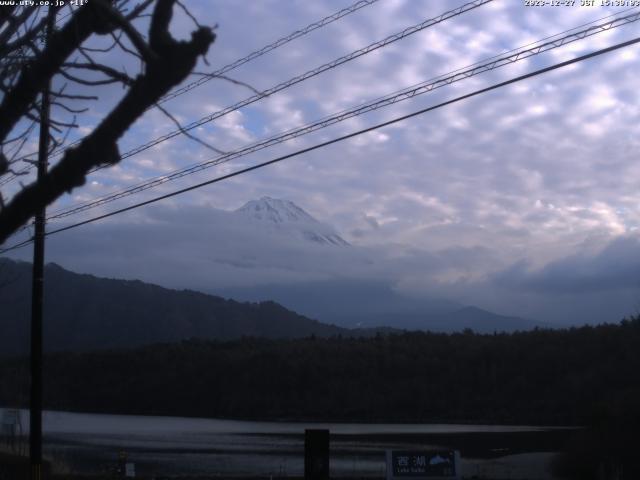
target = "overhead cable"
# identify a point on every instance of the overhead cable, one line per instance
(311, 73)
(341, 138)
(405, 94)
(300, 78)
(266, 49)
(227, 68)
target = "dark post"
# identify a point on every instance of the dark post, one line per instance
(316, 454)
(35, 412)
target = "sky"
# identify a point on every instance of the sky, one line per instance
(522, 200)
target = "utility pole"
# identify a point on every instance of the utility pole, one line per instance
(37, 288)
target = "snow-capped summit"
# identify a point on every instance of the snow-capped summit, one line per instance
(286, 216)
(275, 210)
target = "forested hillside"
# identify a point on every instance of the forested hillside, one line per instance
(83, 312)
(539, 377)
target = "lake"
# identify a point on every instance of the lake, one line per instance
(90, 443)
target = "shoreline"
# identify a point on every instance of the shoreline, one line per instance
(189, 448)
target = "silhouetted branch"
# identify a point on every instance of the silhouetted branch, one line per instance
(231, 80)
(186, 133)
(124, 24)
(170, 64)
(116, 76)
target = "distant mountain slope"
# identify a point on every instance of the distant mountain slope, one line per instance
(286, 217)
(474, 318)
(83, 312)
(370, 304)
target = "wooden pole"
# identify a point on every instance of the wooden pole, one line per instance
(37, 288)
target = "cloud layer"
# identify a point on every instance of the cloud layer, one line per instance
(523, 199)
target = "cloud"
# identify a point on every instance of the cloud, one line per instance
(494, 199)
(615, 267)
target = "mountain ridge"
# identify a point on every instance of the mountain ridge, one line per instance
(373, 305)
(85, 312)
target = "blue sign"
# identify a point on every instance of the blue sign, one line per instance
(422, 464)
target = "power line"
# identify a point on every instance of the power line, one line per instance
(300, 78)
(272, 46)
(312, 73)
(401, 95)
(227, 68)
(341, 138)
(17, 246)
(19, 173)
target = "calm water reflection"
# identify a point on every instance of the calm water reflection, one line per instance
(89, 443)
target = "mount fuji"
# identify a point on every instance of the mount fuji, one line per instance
(334, 282)
(270, 249)
(285, 217)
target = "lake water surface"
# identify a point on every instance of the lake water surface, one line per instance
(90, 443)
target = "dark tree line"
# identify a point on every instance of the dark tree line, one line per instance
(586, 377)
(558, 377)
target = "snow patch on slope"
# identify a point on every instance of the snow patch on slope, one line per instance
(286, 217)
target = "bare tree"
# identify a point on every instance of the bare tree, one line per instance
(27, 64)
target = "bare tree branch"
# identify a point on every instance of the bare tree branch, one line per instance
(186, 133)
(106, 70)
(102, 50)
(21, 135)
(137, 11)
(22, 143)
(57, 143)
(4, 164)
(82, 81)
(14, 25)
(171, 63)
(55, 124)
(74, 97)
(188, 13)
(24, 40)
(121, 22)
(118, 41)
(231, 80)
(69, 109)
(35, 75)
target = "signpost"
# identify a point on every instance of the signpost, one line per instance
(316, 454)
(12, 428)
(423, 464)
(129, 470)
